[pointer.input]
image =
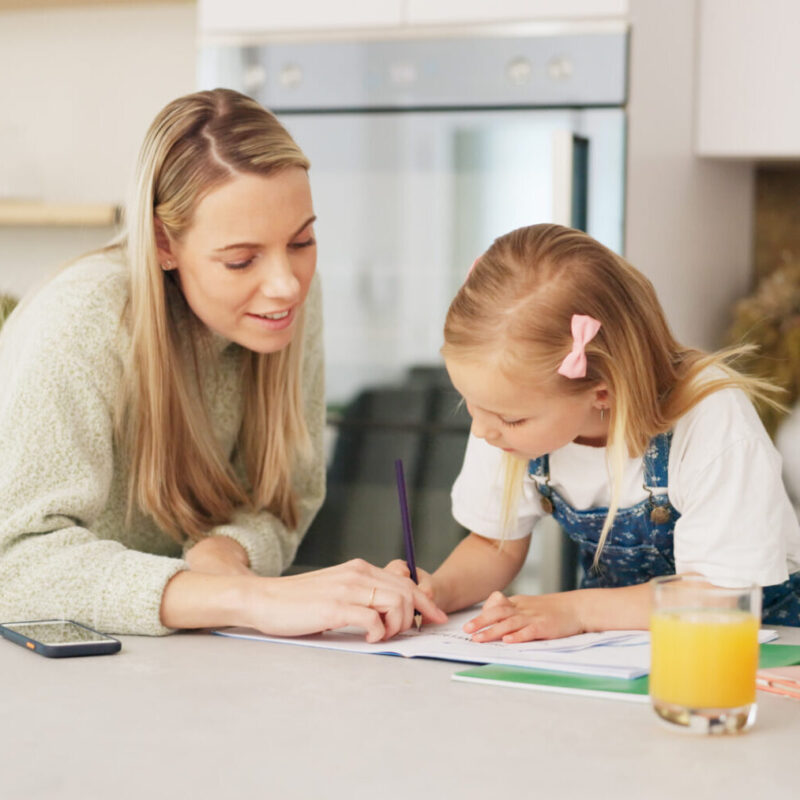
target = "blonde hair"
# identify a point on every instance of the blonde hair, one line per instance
(515, 310)
(178, 474)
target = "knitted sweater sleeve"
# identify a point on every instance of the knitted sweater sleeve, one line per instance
(59, 374)
(270, 545)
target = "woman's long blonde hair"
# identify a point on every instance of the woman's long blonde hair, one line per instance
(178, 474)
(515, 311)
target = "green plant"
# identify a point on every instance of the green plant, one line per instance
(770, 319)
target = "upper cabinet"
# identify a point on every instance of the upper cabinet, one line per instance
(36, 5)
(256, 17)
(437, 12)
(748, 78)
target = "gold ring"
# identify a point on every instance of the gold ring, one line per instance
(372, 597)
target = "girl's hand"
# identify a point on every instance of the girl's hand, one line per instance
(426, 584)
(355, 593)
(218, 555)
(523, 618)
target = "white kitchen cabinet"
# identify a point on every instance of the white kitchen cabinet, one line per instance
(748, 77)
(257, 17)
(435, 12)
(251, 17)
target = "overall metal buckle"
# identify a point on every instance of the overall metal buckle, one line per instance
(545, 499)
(658, 514)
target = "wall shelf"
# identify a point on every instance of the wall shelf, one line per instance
(23, 213)
(35, 5)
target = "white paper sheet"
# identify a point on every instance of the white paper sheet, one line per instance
(615, 654)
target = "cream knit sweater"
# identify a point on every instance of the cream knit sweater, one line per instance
(65, 549)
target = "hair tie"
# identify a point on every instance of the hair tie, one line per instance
(584, 329)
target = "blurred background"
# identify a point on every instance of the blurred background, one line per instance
(665, 129)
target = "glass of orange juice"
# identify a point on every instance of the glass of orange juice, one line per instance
(704, 653)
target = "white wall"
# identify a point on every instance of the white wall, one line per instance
(689, 220)
(78, 88)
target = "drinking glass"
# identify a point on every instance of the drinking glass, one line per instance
(704, 653)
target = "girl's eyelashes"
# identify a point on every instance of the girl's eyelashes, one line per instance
(307, 243)
(512, 423)
(239, 264)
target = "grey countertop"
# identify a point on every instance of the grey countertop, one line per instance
(201, 716)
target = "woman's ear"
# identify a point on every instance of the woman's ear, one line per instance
(163, 246)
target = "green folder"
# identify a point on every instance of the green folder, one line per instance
(778, 655)
(771, 655)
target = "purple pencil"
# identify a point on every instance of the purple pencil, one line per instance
(408, 536)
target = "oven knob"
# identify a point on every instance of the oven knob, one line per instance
(519, 71)
(291, 76)
(255, 76)
(403, 73)
(559, 68)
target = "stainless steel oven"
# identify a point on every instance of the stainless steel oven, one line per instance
(422, 151)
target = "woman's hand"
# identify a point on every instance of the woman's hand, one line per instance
(426, 583)
(355, 593)
(218, 555)
(523, 618)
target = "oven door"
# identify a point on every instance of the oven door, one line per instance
(405, 202)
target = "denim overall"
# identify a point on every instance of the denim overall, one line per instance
(639, 545)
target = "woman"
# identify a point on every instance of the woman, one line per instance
(162, 407)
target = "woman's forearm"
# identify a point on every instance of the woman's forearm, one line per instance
(201, 600)
(477, 567)
(354, 593)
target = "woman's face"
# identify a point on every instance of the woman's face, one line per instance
(247, 260)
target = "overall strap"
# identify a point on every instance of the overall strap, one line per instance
(539, 467)
(656, 461)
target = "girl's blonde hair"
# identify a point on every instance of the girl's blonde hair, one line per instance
(515, 311)
(178, 474)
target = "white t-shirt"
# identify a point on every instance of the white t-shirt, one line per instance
(736, 522)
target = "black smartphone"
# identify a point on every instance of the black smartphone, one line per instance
(59, 638)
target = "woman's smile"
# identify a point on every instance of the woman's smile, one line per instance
(274, 320)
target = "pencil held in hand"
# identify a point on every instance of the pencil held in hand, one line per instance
(408, 536)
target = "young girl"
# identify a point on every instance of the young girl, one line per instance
(649, 454)
(162, 408)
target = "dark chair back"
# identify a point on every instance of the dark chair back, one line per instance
(421, 423)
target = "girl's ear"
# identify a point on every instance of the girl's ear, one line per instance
(163, 245)
(602, 399)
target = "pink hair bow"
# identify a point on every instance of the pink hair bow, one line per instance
(584, 329)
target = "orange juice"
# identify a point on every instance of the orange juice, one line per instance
(704, 658)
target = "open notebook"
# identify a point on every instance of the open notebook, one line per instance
(614, 654)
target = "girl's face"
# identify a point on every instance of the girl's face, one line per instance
(525, 421)
(247, 260)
